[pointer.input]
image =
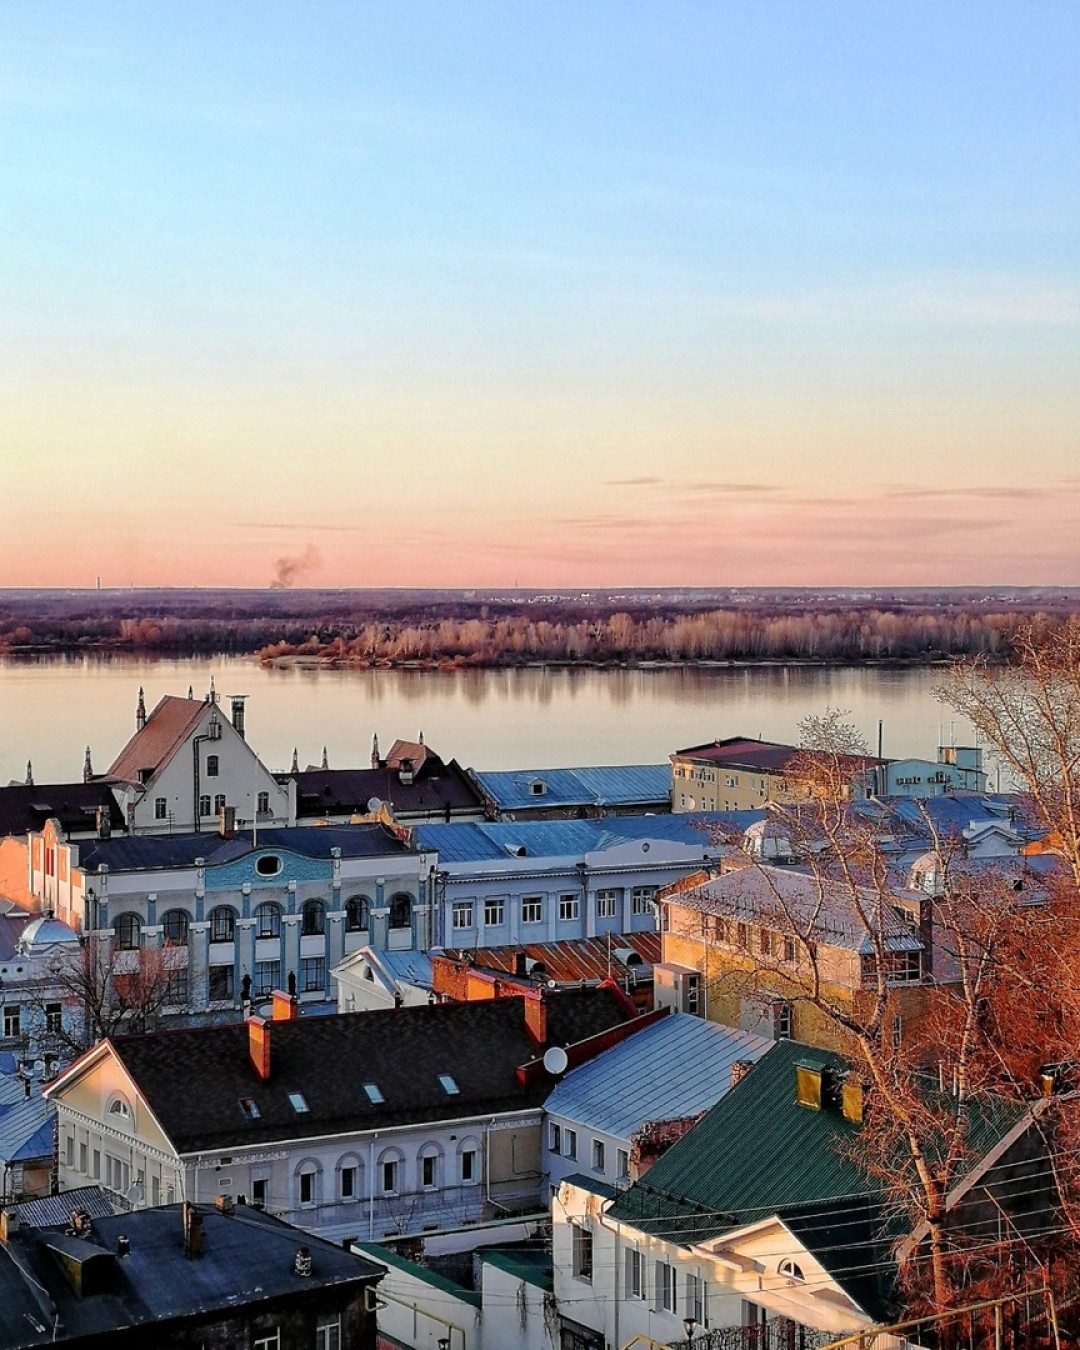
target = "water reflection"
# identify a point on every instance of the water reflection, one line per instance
(52, 707)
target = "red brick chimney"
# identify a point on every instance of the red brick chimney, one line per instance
(259, 1045)
(283, 1007)
(536, 1015)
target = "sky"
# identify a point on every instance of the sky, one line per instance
(546, 293)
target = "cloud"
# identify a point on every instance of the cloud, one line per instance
(633, 482)
(983, 493)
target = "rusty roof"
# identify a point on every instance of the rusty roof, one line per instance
(570, 962)
(166, 730)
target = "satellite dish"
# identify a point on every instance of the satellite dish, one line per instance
(556, 1060)
(374, 805)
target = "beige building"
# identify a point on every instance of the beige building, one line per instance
(739, 774)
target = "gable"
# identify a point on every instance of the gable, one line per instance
(101, 1081)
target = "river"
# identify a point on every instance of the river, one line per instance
(52, 707)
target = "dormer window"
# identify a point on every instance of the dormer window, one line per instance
(374, 1095)
(537, 787)
(119, 1107)
(448, 1085)
(249, 1108)
(298, 1103)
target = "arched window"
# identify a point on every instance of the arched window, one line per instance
(308, 1183)
(350, 1178)
(791, 1270)
(119, 1107)
(175, 926)
(356, 913)
(219, 803)
(127, 929)
(429, 1167)
(388, 1179)
(268, 920)
(468, 1161)
(400, 910)
(222, 923)
(211, 766)
(314, 918)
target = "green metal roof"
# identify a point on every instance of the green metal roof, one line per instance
(527, 1264)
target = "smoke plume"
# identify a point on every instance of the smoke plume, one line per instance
(288, 569)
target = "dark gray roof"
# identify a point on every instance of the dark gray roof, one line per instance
(436, 788)
(247, 1259)
(138, 853)
(53, 1209)
(194, 1080)
(26, 807)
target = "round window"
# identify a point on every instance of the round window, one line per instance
(269, 865)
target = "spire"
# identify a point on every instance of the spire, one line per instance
(375, 751)
(420, 737)
(29, 774)
(190, 691)
(325, 760)
(295, 761)
(87, 768)
(140, 711)
(212, 696)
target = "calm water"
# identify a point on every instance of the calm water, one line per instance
(52, 708)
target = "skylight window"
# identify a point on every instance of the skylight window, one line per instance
(448, 1085)
(373, 1093)
(249, 1108)
(298, 1103)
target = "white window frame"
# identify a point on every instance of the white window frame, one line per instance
(271, 1341)
(582, 1258)
(494, 912)
(606, 904)
(569, 907)
(641, 899)
(667, 1287)
(599, 1155)
(635, 1273)
(532, 909)
(461, 914)
(328, 1334)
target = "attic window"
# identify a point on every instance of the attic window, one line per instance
(298, 1103)
(374, 1095)
(791, 1269)
(119, 1107)
(249, 1108)
(448, 1085)
(538, 787)
(269, 865)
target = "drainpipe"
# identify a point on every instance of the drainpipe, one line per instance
(371, 1188)
(195, 750)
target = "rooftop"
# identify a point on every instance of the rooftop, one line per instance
(165, 731)
(597, 787)
(75, 805)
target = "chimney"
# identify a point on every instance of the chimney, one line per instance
(224, 1204)
(9, 1224)
(302, 1262)
(259, 1045)
(123, 1244)
(283, 1007)
(140, 711)
(227, 822)
(536, 1016)
(739, 1069)
(521, 965)
(193, 1230)
(87, 768)
(237, 706)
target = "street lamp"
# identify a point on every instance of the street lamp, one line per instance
(689, 1326)
(443, 1343)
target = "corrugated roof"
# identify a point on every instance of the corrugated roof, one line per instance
(597, 786)
(679, 1066)
(165, 731)
(55, 1209)
(576, 959)
(785, 898)
(27, 1129)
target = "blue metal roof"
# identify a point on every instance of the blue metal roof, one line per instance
(679, 1066)
(618, 785)
(488, 841)
(137, 853)
(27, 1129)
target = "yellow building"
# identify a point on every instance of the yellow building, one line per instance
(739, 774)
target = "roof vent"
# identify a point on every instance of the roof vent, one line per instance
(302, 1262)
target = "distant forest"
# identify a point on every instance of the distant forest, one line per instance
(455, 628)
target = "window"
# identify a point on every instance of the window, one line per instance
(54, 1017)
(258, 1192)
(468, 1166)
(463, 914)
(696, 1305)
(898, 967)
(494, 913)
(448, 1085)
(641, 899)
(119, 1107)
(328, 1334)
(262, 803)
(219, 803)
(306, 1184)
(175, 927)
(570, 1140)
(222, 984)
(204, 805)
(176, 987)
(568, 908)
(783, 1021)
(69, 1151)
(789, 950)
(374, 1093)
(605, 904)
(212, 766)
(268, 919)
(635, 1273)
(390, 1176)
(347, 1184)
(312, 974)
(532, 909)
(270, 1340)
(598, 1152)
(269, 865)
(249, 1108)
(742, 937)
(96, 1160)
(127, 929)
(622, 1164)
(666, 1295)
(12, 1019)
(161, 808)
(583, 1252)
(298, 1102)
(429, 1171)
(356, 913)
(791, 1269)
(401, 911)
(267, 978)
(555, 1137)
(897, 1031)
(313, 922)
(765, 942)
